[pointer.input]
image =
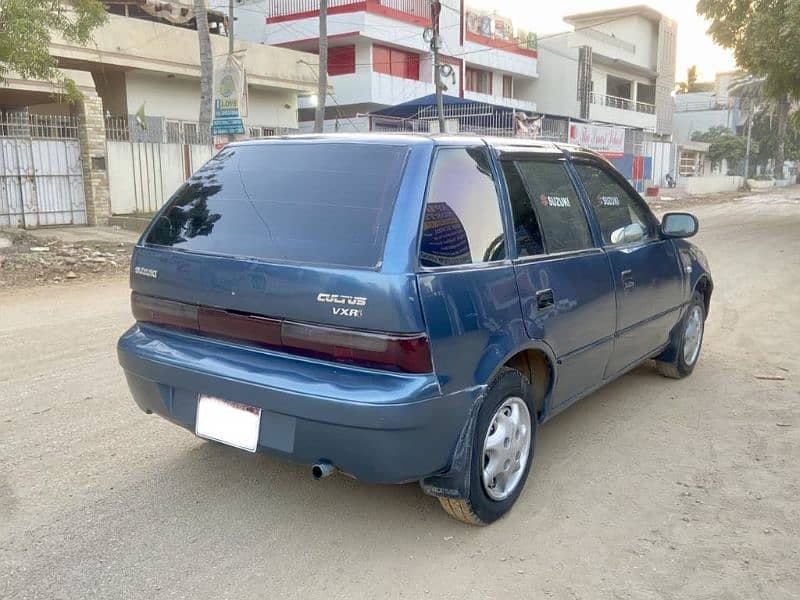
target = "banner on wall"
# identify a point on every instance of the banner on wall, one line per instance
(230, 97)
(608, 141)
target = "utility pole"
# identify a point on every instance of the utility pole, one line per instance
(230, 27)
(436, 43)
(206, 64)
(322, 76)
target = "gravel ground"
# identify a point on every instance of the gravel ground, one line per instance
(649, 488)
(45, 258)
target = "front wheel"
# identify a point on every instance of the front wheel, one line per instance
(502, 451)
(688, 342)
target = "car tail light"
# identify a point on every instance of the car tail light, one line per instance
(248, 328)
(163, 312)
(394, 352)
(409, 354)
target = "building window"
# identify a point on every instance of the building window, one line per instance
(508, 86)
(173, 132)
(341, 60)
(478, 81)
(397, 63)
(646, 93)
(190, 134)
(618, 87)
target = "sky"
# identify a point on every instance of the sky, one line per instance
(695, 47)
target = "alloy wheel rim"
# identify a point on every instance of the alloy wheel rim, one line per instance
(506, 448)
(692, 336)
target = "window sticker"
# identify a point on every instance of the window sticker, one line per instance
(555, 201)
(609, 200)
(444, 239)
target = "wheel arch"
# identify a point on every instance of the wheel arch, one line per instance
(540, 369)
(705, 287)
(534, 359)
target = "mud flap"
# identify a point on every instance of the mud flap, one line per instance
(454, 483)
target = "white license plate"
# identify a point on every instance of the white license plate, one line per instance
(228, 422)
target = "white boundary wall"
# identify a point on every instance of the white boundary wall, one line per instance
(710, 185)
(143, 175)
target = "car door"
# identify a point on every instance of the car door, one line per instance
(647, 272)
(466, 280)
(564, 280)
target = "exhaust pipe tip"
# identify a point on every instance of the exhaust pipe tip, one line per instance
(322, 470)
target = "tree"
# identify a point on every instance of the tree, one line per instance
(692, 85)
(764, 40)
(322, 73)
(724, 146)
(26, 27)
(765, 136)
(206, 64)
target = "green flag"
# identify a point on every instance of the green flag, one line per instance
(140, 119)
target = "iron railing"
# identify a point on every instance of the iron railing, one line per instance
(285, 8)
(156, 130)
(623, 103)
(28, 125)
(476, 119)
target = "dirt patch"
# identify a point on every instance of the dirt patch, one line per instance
(677, 202)
(36, 260)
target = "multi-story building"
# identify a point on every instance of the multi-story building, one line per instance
(696, 112)
(379, 55)
(617, 66)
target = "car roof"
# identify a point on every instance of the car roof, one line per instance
(423, 139)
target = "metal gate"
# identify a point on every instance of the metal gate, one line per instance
(41, 176)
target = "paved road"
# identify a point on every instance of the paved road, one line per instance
(650, 488)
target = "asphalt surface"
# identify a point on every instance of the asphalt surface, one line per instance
(649, 488)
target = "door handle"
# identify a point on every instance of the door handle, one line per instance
(627, 279)
(545, 299)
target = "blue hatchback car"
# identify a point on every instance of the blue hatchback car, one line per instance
(405, 308)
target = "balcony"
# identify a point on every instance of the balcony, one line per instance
(623, 111)
(623, 103)
(368, 87)
(412, 11)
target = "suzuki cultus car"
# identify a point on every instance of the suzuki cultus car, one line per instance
(405, 308)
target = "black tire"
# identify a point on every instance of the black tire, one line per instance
(478, 508)
(677, 367)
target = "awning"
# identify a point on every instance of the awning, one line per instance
(412, 107)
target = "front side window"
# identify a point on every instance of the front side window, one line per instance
(462, 214)
(618, 213)
(556, 204)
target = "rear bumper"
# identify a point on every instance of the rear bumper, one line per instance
(379, 427)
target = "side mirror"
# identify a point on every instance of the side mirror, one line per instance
(629, 234)
(679, 225)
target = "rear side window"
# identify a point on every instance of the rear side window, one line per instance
(309, 203)
(557, 205)
(462, 215)
(613, 206)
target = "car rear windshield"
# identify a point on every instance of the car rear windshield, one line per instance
(323, 203)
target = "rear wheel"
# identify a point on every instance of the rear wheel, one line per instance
(688, 342)
(502, 453)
